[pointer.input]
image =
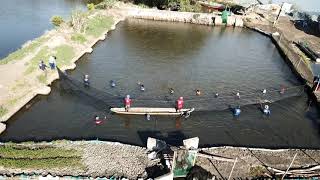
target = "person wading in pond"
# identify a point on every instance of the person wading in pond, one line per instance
(179, 104)
(142, 88)
(127, 103)
(171, 90)
(198, 92)
(86, 81)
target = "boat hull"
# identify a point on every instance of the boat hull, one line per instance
(150, 111)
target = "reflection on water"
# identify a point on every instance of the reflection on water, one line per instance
(185, 57)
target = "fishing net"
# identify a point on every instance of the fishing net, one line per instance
(102, 99)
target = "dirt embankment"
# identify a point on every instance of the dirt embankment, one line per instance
(284, 34)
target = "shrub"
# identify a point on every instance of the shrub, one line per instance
(79, 20)
(57, 20)
(106, 4)
(90, 6)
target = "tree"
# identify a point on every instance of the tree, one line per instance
(90, 6)
(57, 20)
(78, 21)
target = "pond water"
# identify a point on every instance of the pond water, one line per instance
(185, 57)
(23, 20)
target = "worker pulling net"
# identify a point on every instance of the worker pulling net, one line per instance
(103, 99)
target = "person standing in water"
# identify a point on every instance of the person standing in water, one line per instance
(127, 103)
(238, 95)
(198, 92)
(179, 104)
(142, 88)
(86, 80)
(171, 90)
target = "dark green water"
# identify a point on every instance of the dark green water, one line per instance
(186, 57)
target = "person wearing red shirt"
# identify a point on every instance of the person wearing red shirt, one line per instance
(179, 104)
(127, 102)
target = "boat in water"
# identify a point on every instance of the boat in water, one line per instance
(152, 111)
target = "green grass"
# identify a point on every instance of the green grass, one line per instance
(3, 111)
(23, 152)
(43, 54)
(21, 156)
(64, 54)
(78, 38)
(40, 163)
(98, 24)
(21, 53)
(42, 78)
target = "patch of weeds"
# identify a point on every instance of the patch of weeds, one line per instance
(3, 111)
(34, 156)
(257, 171)
(98, 24)
(78, 38)
(43, 55)
(42, 78)
(64, 54)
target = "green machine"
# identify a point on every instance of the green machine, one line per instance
(224, 16)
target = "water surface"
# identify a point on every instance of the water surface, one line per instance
(24, 20)
(185, 57)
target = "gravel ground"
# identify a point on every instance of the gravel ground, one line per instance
(106, 159)
(250, 159)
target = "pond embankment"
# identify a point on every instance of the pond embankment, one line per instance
(106, 159)
(284, 34)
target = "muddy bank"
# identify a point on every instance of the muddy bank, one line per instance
(106, 159)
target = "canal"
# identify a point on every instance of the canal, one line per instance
(185, 57)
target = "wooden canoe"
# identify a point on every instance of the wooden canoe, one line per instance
(151, 111)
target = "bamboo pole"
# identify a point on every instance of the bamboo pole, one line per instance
(215, 157)
(234, 164)
(289, 166)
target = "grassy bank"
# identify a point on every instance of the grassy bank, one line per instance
(29, 47)
(65, 42)
(43, 157)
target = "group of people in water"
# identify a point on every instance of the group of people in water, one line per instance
(180, 102)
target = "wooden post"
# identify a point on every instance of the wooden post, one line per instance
(234, 164)
(289, 166)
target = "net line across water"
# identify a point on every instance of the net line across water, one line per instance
(103, 100)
